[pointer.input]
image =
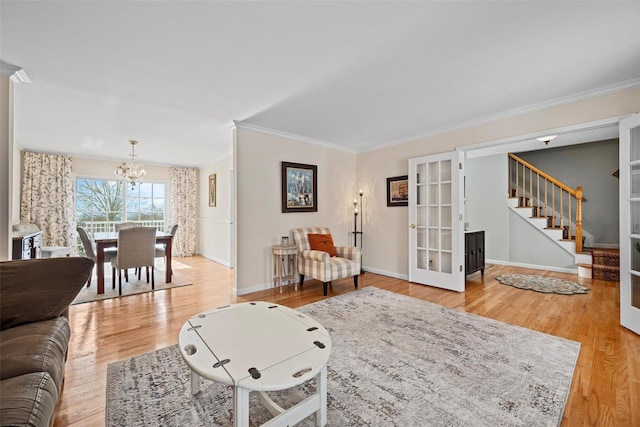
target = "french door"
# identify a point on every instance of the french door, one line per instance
(630, 223)
(436, 230)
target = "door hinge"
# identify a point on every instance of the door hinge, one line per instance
(460, 268)
(460, 217)
(460, 166)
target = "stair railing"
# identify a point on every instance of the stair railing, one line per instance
(547, 195)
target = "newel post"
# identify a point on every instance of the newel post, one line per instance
(578, 219)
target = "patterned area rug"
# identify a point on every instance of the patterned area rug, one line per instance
(547, 285)
(134, 286)
(396, 361)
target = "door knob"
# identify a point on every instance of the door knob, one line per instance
(413, 226)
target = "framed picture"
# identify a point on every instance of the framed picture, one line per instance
(212, 189)
(299, 187)
(398, 191)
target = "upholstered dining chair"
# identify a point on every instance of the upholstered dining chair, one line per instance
(136, 249)
(119, 226)
(161, 248)
(330, 262)
(90, 250)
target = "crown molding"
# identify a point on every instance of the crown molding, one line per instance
(249, 126)
(532, 108)
(16, 74)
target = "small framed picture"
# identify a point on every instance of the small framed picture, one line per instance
(299, 187)
(212, 189)
(398, 191)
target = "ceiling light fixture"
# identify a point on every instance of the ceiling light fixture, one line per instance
(131, 171)
(547, 139)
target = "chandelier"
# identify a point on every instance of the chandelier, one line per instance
(131, 171)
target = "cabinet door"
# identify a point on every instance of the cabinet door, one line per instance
(480, 250)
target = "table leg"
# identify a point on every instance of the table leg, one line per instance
(240, 407)
(195, 382)
(100, 266)
(321, 384)
(167, 262)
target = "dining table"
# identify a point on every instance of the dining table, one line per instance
(110, 240)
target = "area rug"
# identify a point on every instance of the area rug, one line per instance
(134, 286)
(396, 361)
(549, 285)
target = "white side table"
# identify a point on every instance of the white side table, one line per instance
(285, 259)
(259, 346)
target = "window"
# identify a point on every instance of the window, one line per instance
(101, 203)
(145, 202)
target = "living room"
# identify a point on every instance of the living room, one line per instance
(247, 220)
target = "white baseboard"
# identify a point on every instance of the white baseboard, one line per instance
(607, 245)
(533, 266)
(252, 289)
(216, 260)
(387, 273)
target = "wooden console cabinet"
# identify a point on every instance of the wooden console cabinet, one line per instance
(26, 245)
(474, 251)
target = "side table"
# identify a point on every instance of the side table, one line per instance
(285, 260)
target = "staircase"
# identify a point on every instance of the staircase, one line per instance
(554, 231)
(553, 208)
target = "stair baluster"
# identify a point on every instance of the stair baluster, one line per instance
(530, 197)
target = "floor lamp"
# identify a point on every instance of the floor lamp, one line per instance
(355, 227)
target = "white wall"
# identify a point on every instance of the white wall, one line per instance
(214, 235)
(6, 166)
(486, 203)
(259, 220)
(386, 228)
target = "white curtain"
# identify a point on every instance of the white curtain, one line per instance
(184, 202)
(48, 198)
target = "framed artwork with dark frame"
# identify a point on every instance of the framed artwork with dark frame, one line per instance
(299, 187)
(398, 191)
(212, 190)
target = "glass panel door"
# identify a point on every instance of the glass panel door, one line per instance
(436, 243)
(630, 223)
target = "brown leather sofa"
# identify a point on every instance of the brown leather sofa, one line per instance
(34, 335)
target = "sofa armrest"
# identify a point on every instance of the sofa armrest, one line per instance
(40, 289)
(349, 252)
(313, 255)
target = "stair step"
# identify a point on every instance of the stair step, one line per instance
(606, 272)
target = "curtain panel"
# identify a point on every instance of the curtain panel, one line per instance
(184, 203)
(48, 197)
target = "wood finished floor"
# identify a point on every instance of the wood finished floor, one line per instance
(606, 384)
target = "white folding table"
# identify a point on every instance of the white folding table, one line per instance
(259, 346)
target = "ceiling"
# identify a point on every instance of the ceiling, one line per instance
(359, 74)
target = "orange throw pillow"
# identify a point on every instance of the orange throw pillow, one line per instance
(322, 242)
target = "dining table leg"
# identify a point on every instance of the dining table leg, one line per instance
(168, 273)
(100, 267)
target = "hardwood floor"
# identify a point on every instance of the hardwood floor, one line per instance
(605, 389)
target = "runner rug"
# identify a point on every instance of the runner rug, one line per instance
(396, 361)
(549, 285)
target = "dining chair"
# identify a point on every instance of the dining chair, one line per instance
(161, 248)
(119, 226)
(90, 250)
(136, 249)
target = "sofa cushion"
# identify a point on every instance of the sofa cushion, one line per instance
(28, 400)
(40, 289)
(35, 347)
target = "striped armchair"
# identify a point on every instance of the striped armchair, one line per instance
(319, 265)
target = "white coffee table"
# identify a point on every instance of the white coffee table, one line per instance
(259, 346)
